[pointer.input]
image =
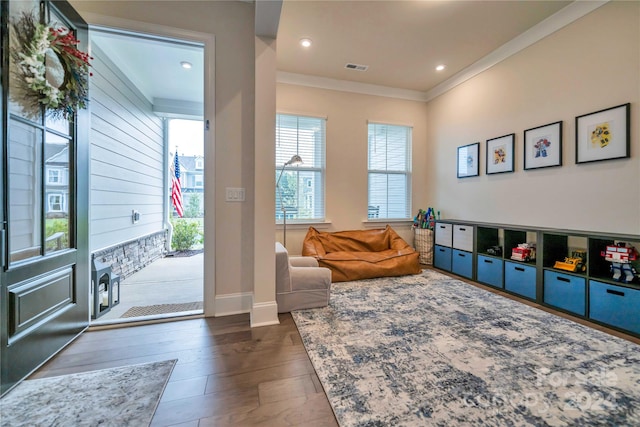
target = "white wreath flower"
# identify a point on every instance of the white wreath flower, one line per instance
(50, 70)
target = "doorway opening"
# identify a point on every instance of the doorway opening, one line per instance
(146, 177)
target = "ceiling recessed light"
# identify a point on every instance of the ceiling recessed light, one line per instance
(440, 67)
(305, 42)
(186, 65)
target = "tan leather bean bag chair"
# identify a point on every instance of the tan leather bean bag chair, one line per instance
(361, 254)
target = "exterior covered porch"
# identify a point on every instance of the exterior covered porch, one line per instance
(168, 287)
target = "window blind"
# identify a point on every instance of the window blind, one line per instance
(389, 192)
(302, 186)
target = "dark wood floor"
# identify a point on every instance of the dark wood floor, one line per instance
(227, 374)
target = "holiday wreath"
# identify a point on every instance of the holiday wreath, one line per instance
(50, 71)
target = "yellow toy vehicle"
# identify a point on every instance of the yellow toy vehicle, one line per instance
(574, 263)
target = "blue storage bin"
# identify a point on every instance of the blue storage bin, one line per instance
(520, 279)
(462, 263)
(490, 271)
(565, 291)
(615, 305)
(442, 257)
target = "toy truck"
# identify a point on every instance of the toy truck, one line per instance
(620, 256)
(495, 250)
(524, 252)
(574, 263)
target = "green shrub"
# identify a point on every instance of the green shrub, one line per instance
(53, 226)
(185, 234)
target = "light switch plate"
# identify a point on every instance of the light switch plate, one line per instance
(234, 194)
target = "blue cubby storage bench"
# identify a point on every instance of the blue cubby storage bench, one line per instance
(442, 257)
(490, 271)
(565, 291)
(442, 247)
(520, 279)
(453, 249)
(615, 305)
(462, 263)
(482, 252)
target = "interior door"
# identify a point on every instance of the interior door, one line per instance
(45, 274)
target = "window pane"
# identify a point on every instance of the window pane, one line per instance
(59, 124)
(20, 102)
(56, 164)
(25, 207)
(301, 186)
(389, 171)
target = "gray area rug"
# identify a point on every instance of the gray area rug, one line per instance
(432, 350)
(119, 397)
(150, 310)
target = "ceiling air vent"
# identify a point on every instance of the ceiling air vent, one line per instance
(356, 67)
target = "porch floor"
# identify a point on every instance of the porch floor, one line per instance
(169, 280)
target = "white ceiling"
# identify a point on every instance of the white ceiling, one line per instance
(153, 65)
(400, 41)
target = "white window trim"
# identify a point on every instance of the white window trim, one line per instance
(56, 172)
(50, 204)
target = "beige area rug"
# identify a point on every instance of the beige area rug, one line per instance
(150, 310)
(124, 396)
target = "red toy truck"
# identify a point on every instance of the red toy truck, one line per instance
(524, 252)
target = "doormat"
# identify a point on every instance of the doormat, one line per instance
(124, 396)
(150, 310)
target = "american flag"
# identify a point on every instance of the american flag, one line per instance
(176, 191)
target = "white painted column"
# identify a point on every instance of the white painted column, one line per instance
(264, 309)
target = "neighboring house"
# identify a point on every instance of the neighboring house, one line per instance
(56, 171)
(192, 180)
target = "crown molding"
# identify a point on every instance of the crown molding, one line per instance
(349, 86)
(555, 22)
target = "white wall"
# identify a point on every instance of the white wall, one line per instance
(592, 64)
(346, 153)
(127, 158)
(264, 308)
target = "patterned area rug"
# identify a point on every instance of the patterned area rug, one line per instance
(150, 310)
(432, 350)
(126, 396)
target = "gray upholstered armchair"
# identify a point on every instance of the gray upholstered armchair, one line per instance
(300, 283)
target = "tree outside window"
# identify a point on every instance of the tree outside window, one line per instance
(302, 186)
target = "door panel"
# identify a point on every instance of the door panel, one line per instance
(35, 300)
(44, 282)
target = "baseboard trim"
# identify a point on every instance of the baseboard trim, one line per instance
(264, 314)
(230, 304)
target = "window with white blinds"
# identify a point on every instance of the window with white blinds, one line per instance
(389, 171)
(300, 195)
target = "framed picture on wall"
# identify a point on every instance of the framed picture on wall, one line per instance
(500, 154)
(468, 156)
(543, 146)
(603, 135)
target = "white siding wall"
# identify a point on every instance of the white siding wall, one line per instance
(127, 161)
(24, 174)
